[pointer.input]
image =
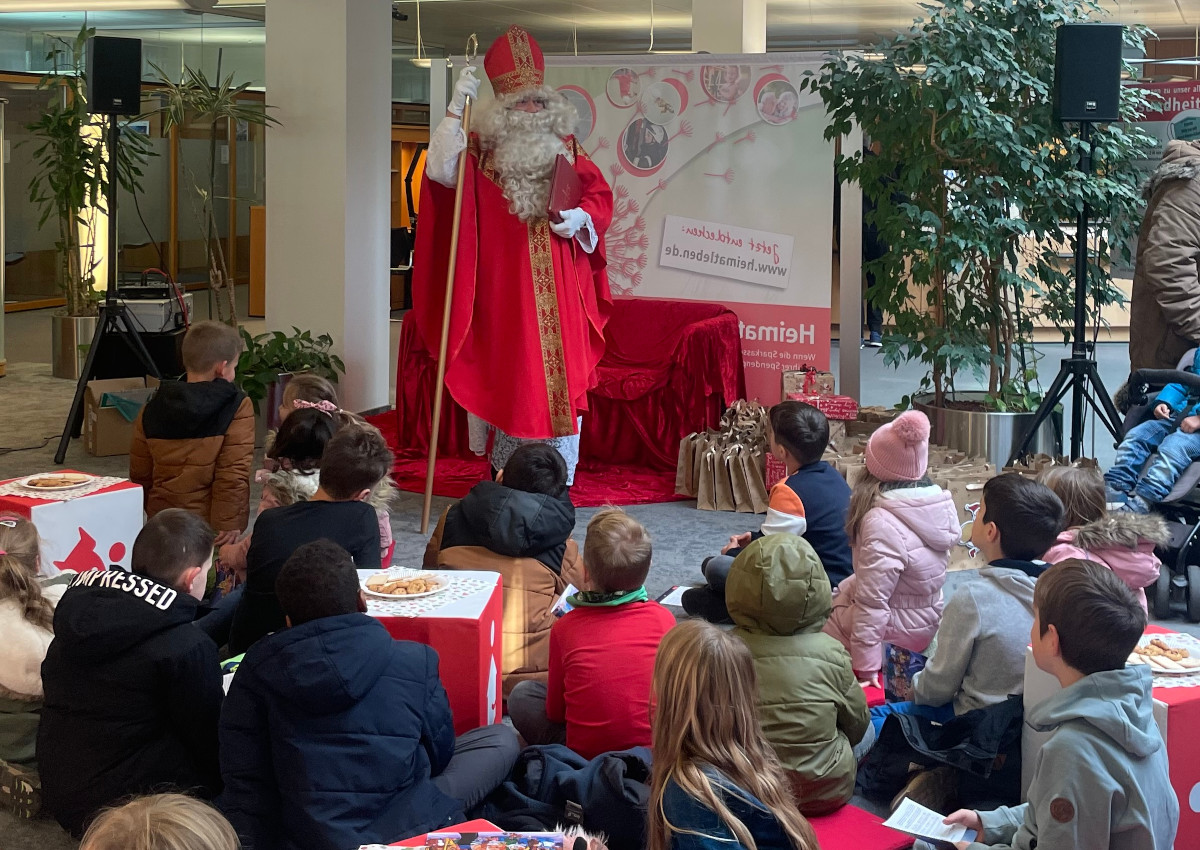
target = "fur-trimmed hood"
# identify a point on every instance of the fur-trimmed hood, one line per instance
(1181, 161)
(1123, 530)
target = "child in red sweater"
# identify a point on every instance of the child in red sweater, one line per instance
(602, 652)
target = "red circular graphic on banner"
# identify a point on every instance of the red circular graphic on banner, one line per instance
(664, 101)
(585, 107)
(643, 147)
(624, 88)
(725, 83)
(776, 99)
(116, 552)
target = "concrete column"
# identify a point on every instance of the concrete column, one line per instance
(329, 77)
(850, 278)
(729, 26)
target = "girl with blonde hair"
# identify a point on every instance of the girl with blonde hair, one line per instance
(27, 623)
(161, 822)
(716, 781)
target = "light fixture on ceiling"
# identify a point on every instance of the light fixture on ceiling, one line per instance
(106, 5)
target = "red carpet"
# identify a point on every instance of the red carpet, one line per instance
(596, 483)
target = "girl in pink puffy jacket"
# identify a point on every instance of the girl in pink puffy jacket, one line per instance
(1123, 542)
(902, 528)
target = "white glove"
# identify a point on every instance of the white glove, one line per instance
(572, 221)
(467, 86)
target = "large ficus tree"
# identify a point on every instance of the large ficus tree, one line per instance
(977, 186)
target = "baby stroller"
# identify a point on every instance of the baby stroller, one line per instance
(1180, 576)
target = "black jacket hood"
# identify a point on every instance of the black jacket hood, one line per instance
(187, 411)
(108, 612)
(512, 523)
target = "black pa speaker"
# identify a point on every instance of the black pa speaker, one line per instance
(114, 75)
(1087, 72)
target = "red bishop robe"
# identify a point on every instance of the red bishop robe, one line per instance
(527, 321)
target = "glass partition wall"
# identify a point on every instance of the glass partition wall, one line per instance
(164, 226)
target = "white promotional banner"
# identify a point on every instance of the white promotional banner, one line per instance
(723, 189)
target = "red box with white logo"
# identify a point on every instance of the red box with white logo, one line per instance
(90, 532)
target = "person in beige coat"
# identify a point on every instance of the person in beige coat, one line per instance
(1164, 320)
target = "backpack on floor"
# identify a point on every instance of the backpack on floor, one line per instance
(551, 786)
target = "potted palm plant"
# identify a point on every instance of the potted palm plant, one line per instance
(976, 187)
(194, 101)
(70, 181)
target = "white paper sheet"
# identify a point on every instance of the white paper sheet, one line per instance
(915, 819)
(674, 596)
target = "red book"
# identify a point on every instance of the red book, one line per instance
(565, 189)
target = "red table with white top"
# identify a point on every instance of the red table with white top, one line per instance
(1177, 713)
(86, 532)
(464, 625)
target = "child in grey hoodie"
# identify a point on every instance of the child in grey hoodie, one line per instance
(1101, 779)
(979, 652)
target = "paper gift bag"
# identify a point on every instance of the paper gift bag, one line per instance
(741, 472)
(706, 480)
(724, 485)
(685, 485)
(965, 485)
(759, 491)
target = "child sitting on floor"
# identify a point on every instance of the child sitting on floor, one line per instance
(902, 527)
(335, 735)
(1101, 779)
(1123, 542)
(716, 782)
(597, 696)
(303, 391)
(813, 711)
(812, 501)
(161, 822)
(1172, 436)
(296, 453)
(27, 624)
(356, 459)
(978, 658)
(520, 526)
(132, 686)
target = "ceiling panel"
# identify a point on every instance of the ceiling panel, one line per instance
(621, 26)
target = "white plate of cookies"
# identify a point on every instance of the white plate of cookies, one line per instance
(404, 584)
(55, 481)
(1164, 659)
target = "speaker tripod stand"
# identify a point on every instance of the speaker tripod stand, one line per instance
(114, 316)
(1078, 373)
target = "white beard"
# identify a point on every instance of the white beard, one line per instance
(524, 146)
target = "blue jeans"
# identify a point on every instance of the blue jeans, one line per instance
(936, 713)
(1176, 452)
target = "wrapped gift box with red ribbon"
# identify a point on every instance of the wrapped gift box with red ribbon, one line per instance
(808, 380)
(840, 407)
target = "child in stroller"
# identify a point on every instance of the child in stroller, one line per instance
(1167, 481)
(1170, 440)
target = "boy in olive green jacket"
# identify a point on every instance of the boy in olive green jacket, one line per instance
(812, 708)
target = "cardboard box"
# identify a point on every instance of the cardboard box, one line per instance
(106, 430)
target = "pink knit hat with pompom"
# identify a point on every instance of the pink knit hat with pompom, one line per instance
(899, 451)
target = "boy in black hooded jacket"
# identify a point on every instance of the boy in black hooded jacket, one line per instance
(132, 687)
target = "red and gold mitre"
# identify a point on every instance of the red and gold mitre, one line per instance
(514, 62)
